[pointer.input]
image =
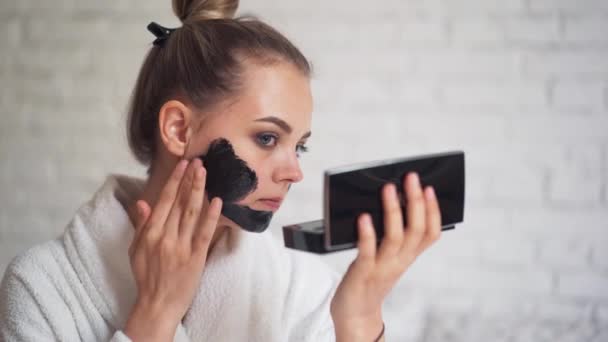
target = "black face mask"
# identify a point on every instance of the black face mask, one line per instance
(229, 178)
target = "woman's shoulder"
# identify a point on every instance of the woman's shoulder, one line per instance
(23, 289)
(37, 261)
(38, 294)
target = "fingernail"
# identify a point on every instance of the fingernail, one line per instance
(139, 209)
(392, 189)
(430, 193)
(416, 178)
(182, 164)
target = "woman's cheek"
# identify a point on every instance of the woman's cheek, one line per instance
(228, 176)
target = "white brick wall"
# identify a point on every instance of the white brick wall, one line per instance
(520, 85)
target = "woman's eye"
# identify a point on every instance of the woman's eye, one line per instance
(302, 149)
(265, 139)
(269, 140)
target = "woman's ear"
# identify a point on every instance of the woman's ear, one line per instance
(175, 122)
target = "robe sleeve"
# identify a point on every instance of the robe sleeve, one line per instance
(21, 319)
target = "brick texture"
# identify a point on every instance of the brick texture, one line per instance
(521, 86)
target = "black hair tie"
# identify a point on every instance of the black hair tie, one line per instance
(160, 32)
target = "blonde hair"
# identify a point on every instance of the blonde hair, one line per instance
(202, 63)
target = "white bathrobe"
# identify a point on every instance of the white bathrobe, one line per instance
(79, 287)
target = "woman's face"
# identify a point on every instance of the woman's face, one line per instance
(268, 125)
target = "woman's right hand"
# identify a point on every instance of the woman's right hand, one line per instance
(169, 251)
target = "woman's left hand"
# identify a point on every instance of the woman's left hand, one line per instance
(356, 307)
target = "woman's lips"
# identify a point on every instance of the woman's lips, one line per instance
(271, 203)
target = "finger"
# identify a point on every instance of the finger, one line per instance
(166, 199)
(415, 216)
(433, 220)
(181, 202)
(142, 212)
(204, 232)
(193, 211)
(393, 223)
(366, 243)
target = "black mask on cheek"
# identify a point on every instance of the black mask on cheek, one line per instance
(229, 178)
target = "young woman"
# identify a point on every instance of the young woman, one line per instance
(220, 113)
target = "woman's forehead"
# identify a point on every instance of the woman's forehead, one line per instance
(280, 87)
(274, 95)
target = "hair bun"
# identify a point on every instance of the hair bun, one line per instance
(197, 10)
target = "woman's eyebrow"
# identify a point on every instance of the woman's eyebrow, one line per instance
(282, 124)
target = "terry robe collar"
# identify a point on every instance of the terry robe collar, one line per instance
(252, 288)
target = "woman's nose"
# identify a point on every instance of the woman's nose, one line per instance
(291, 171)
